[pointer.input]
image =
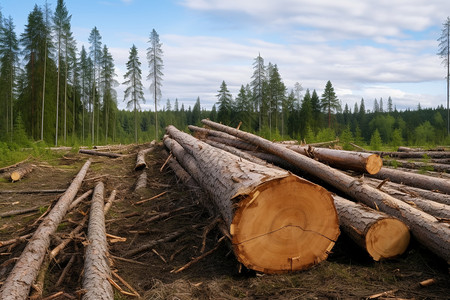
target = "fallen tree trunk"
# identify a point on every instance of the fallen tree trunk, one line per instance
(341, 159)
(93, 152)
(96, 264)
(19, 212)
(262, 207)
(18, 283)
(19, 173)
(408, 149)
(140, 158)
(416, 180)
(426, 228)
(418, 165)
(141, 182)
(430, 154)
(55, 191)
(221, 137)
(381, 235)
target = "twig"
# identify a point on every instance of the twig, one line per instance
(64, 272)
(387, 293)
(162, 215)
(206, 230)
(382, 183)
(165, 163)
(54, 296)
(152, 198)
(117, 287)
(195, 260)
(127, 260)
(159, 255)
(176, 252)
(126, 284)
(13, 241)
(427, 282)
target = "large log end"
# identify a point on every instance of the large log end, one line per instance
(286, 224)
(374, 164)
(387, 238)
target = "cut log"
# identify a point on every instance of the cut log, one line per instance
(18, 283)
(416, 180)
(93, 152)
(140, 158)
(418, 165)
(55, 191)
(430, 154)
(96, 264)
(341, 159)
(380, 234)
(426, 228)
(79, 199)
(19, 211)
(141, 182)
(413, 191)
(264, 208)
(20, 172)
(221, 137)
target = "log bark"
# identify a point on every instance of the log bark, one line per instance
(341, 159)
(141, 182)
(381, 235)
(98, 153)
(140, 158)
(413, 191)
(433, 208)
(264, 208)
(416, 180)
(79, 199)
(18, 283)
(426, 228)
(55, 191)
(437, 167)
(96, 264)
(19, 173)
(431, 154)
(221, 137)
(19, 212)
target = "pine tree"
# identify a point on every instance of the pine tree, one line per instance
(108, 83)
(225, 101)
(444, 53)
(329, 101)
(389, 105)
(376, 107)
(155, 63)
(196, 112)
(135, 90)
(48, 48)
(259, 77)
(95, 53)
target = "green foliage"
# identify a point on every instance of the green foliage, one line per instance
(346, 138)
(397, 139)
(375, 140)
(424, 134)
(325, 135)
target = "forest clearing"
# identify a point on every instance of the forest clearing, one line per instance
(167, 238)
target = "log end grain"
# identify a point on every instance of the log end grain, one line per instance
(387, 238)
(374, 164)
(286, 224)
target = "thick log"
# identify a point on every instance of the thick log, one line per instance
(264, 208)
(416, 180)
(18, 283)
(341, 159)
(381, 235)
(20, 172)
(426, 228)
(141, 182)
(96, 264)
(418, 165)
(433, 208)
(140, 158)
(93, 152)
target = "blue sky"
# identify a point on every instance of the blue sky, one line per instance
(368, 49)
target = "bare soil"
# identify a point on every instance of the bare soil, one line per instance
(349, 273)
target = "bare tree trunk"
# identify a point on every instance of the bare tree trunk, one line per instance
(426, 228)
(18, 283)
(262, 206)
(140, 158)
(418, 165)
(141, 183)
(96, 264)
(380, 234)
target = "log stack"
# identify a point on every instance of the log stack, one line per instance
(278, 222)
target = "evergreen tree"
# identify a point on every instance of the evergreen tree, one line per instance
(329, 101)
(355, 109)
(108, 83)
(155, 63)
(225, 101)
(259, 77)
(376, 107)
(444, 53)
(196, 112)
(389, 105)
(95, 53)
(277, 95)
(135, 90)
(381, 105)
(375, 141)
(306, 114)
(69, 67)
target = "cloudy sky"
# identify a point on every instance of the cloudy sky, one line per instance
(368, 49)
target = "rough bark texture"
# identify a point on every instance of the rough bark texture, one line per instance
(437, 167)
(141, 181)
(426, 228)
(221, 137)
(416, 180)
(346, 160)
(381, 235)
(431, 154)
(18, 283)
(140, 158)
(413, 191)
(264, 208)
(93, 152)
(433, 208)
(19, 173)
(96, 264)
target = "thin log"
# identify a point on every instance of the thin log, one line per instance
(66, 241)
(96, 264)
(65, 270)
(241, 191)
(80, 199)
(140, 158)
(430, 154)
(19, 212)
(52, 191)
(109, 202)
(221, 137)
(141, 182)
(321, 144)
(15, 240)
(98, 153)
(416, 180)
(14, 165)
(408, 149)
(341, 159)
(426, 228)
(381, 235)
(18, 283)
(418, 165)
(152, 198)
(19, 173)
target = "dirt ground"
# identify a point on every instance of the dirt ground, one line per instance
(349, 273)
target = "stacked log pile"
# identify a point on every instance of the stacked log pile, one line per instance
(431, 231)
